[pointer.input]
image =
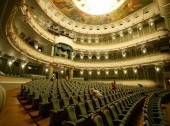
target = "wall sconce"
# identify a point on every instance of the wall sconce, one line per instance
(62, 71)
(106, 56)
(98, 72)
(90, 72)
(123, 54)
(157, 68)
(98, 57)
(116, 72)
(81, 72)
(81, 56)
(140, 26)
(46, 70)
(121, 34)
(130, 30)
(107, 72)
(89, 56)
(135, 70)
(125, 71)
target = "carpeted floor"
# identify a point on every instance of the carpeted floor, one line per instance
(13, 113)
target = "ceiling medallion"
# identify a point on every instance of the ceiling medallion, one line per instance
(99, 12)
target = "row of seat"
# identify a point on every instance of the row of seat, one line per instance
(118, 112)
(40, 100)
(54, 97)
(153, 114)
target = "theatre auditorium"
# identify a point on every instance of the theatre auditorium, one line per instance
(84, 62)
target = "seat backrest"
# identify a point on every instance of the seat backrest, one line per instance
(113, 112)
(82, 109)
(106, 98)
(121, 105)
(73, 100)
(114, 97)
(87, 96)
(125, 103)
(117, 95)
(55, 104)
(70, 113)
(81, 98)
(44, 98)
(65, 101)
(102, 102)
(107, 118)
(31, 90)
(128, 101)
(62, 94)
(69, 94)
(90, 105)
(36, 94)
(146, 123)
(96, 102)
(118, 108)
(97, 120)
(149, 118)
(110, 97)
(53, 95)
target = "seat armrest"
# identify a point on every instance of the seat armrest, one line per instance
(81, 120)
(90, 111)
(56, 111)
(97, 107)
(44, 103)
(69, 123)
(118, 121)
(125, 111)
(82, 116)
(122, 115)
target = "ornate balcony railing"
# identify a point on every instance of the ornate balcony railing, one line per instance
(50, 9)
(99, 48)
(21, 46)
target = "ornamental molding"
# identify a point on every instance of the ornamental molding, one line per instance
(27, 50)
(50, 9)
(36, 25)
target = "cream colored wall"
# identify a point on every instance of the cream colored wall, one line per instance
(2, 98)
(63, 39)
(9, 83)
(145, 83)
(10, 86)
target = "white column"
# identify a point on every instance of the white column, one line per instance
(51, 69)
(71, 73)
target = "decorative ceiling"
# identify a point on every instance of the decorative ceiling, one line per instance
(70, 8)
